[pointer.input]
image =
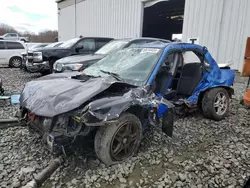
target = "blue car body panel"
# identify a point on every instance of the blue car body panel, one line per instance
(215, 77)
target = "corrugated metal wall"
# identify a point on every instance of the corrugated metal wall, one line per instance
(221, 25)
(109, 18)
(66, 23)
(104, 18)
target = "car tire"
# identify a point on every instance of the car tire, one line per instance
(215, 104)
(126, 132)
(15, 62)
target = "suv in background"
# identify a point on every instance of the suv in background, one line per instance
(42, 60)
(14, 36)
(10, 53)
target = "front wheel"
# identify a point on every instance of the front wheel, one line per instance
(118, 141)
(215, 104)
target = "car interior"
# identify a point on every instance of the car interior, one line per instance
(178, 76)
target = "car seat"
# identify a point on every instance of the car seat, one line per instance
(190, 77)
(165, 77)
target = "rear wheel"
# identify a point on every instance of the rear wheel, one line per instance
(215, 104)
(118, 141)
(15, 62)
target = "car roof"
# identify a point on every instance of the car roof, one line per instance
(162, 45)
(143, 38)
(93, 37)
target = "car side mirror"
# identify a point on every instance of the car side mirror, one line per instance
(79, 47)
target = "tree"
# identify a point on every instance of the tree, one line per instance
(44, 36)
(4, 28)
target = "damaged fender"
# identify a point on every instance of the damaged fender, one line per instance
(98, 112)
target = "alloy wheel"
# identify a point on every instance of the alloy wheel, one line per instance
(125, 141)
(220, 103)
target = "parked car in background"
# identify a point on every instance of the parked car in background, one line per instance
(119, 97)
(10, 53)
(42, 60)
(80, 62)
(30, 47)
(14, 36)
(55, 44)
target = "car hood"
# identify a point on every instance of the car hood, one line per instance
(79, 58)
(48, 49)
(50, 97)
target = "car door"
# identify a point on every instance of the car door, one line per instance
(14, 49)
(3, 55)
(86, 46)
(11, 36)
(14, 36)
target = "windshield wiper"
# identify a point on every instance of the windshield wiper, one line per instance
(115, 75)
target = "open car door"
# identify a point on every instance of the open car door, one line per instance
(246, 66)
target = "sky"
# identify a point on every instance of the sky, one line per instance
(31, 15)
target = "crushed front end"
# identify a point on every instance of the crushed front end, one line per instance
(57, 133)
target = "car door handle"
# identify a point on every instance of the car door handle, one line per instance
(247, 58)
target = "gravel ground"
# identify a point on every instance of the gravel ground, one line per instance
(202, 152)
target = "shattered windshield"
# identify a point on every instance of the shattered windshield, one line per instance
(112, 46)
(132, 65)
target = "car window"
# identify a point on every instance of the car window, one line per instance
(56, 44)
(13, 35)
(2, 45)
(112, 46)
(101, 42)
(69, 43)
(14, 45)
(88, 45)
(190, 57)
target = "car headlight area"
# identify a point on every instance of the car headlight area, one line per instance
(59, 67)
(37, 56)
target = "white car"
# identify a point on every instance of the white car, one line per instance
(14, 36)
(10, 53)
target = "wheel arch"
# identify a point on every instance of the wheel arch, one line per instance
(137, 110)
(15, 56)
(229, 89)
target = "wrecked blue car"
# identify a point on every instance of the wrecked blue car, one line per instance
(120, 96)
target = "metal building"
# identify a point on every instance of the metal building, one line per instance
(221, 25)
(120, 18)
